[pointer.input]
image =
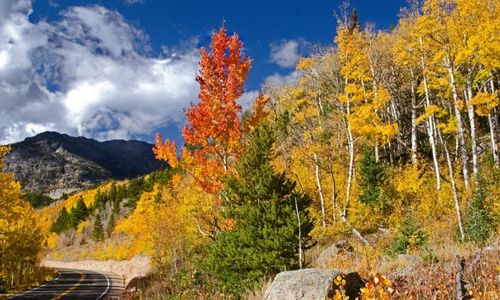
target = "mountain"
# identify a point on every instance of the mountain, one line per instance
(52, 163)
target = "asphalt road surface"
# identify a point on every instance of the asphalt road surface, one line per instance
(72, 284)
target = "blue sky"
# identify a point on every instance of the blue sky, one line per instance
(73, 66)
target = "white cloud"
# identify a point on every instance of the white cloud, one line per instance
(88, 74)
(286, 53)
(246, 100)
(281, 80)
(130, 2)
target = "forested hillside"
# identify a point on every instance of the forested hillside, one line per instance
(54, 164)
(386, 141)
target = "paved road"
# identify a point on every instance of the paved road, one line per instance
(73, 284)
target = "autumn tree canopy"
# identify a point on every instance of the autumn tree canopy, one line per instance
(213, 133)
(20, 238)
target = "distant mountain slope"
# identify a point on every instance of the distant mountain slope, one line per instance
(52, 163)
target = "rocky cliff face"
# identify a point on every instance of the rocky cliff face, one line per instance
(52, 163)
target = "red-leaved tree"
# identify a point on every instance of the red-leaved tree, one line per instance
(213, 133)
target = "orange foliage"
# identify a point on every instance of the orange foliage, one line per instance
(258, 113)
(213, 132)
(167, 151)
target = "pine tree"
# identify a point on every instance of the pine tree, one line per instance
(267, 235)
(98, 230)
(100, 200)
(79, 213)
(478, 225)
(62, 223)
(372, 178)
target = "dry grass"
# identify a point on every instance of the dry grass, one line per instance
(258, 292)
(437, 281)
(413, 277)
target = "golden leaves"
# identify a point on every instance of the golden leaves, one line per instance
(305, 64)
(166, 151)
(484, 102)
(20, 238)
(431, 110)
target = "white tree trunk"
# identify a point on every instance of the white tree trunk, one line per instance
(460, 128)
(413, 120)
(431, 131)
(472, 122)
(494, 146)
(453, 189)
(299, 233)
(492, 123)
(431, 124)
(320, 189)
(350, 142)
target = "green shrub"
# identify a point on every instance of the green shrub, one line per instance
(372, 178)
(478, 224)
(410, 237)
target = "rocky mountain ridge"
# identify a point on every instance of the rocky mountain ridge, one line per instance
(53, 164)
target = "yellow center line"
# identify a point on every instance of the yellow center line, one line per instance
(71, 288)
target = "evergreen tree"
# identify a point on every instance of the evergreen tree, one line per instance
(79, 213)
(372, 178)
(62, 223)
(478, 225)
(100, 200)
(98, 230)
(38, 200)
(113, 193)
(264, 207)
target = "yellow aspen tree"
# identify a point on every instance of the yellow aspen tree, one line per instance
(405, 55)
(360, 102)
(354, 69)
(433, 27)
(485, 104)
(20, 238)
(474, 29)
(462, 29)
(413, 46)
(306, 118)
(363, 97)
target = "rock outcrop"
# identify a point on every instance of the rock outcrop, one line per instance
(327, 255)
(53, 164)
(311, 284)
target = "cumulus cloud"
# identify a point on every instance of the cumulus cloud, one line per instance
(286, 53)
(90, 73)
(277, 79)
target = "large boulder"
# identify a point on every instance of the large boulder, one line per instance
(311, 284)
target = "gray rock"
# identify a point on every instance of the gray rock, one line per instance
(310, 284)
(326, 256)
